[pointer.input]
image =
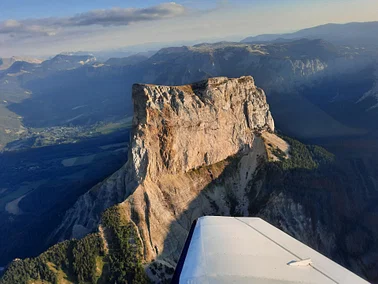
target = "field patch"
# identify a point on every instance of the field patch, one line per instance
(11, 200)
(78, 161)
(12, 207)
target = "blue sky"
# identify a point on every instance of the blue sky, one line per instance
(47, 27)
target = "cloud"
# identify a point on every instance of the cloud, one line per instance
(13, 27)
(105, 18)
(119, 16)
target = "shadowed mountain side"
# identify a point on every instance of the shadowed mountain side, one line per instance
(325, 209)
(297, 116)
(321, 207)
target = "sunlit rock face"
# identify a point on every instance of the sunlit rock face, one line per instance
(183, 128)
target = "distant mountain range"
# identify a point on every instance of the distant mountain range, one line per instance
(89, 91)
(7, 62)
(125, 61)
(357, 34)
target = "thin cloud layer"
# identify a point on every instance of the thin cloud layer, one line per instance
(105, 18)
(22, 28)
(120, 17)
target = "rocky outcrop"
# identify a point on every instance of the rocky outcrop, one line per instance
(177, 131)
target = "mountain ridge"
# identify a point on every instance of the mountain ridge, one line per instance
(355, 33)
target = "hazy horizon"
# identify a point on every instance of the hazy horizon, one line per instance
(44, 28)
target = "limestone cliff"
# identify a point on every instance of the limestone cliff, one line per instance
(177, 131)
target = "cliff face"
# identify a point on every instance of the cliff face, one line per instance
(177, 130)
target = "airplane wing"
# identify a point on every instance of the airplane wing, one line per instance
(250, 250)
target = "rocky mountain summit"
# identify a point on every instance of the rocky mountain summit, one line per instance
(185, 137)
(177, 130)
